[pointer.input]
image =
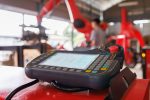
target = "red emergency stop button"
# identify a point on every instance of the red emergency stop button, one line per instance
(113, 49)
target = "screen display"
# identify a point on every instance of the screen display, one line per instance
(70, 60)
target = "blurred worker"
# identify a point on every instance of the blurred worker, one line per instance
(98, 36)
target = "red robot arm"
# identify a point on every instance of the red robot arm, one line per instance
(49, 6)
(80, 23)
(129, 30)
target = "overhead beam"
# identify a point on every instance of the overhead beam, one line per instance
(30, 7)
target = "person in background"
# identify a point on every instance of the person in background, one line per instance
(98, 36)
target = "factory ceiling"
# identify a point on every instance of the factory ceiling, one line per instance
(102, 5)
(138, 9)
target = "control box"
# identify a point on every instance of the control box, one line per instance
(92, 69)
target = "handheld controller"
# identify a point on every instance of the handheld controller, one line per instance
(92, 69)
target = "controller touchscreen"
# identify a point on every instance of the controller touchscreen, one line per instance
(70, 60)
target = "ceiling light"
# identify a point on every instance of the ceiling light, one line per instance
(111, 23)
(141, 21)
(125, 4)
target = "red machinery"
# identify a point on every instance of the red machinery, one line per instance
(128, 31)
(146, 62)
(127, 34)
(80, 23)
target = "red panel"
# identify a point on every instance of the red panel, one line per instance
(139, 90)
(148, 64)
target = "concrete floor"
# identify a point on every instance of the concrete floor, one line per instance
(138, 70)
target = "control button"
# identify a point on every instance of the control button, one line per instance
(112, 56)
(58, 68)
(101, 63)
(88, 71)
(105, 66)
(71, 70)
(115, 63)
(113, 49)
(104, 69)
(65, 69)
(94, 72)
(78, 70)
(100, 58)
(108, 63)
(45, 56)
(106, 57)
(96, 62)
(33, 62)
(46, 66)
(40, 66)
(92, 67)
(97, 67)
(52, 67)
(36, 60)
(41, 58)
(34, 66)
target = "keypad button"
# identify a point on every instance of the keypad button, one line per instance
(105, 66)
(58, 68)
(101, 63)
(45, 66)
(97, 67)
(51, 68)
(108, 64)
(65, 69)
(40, 66)
(34, 66)
(104, 69)
(78, 70)
(94, 72)
(36, 60)
(71, 70)
(92, 67)
(105, 58)
(33, 62)
(100, 58)
(88, 71)
(95, 63)
(114, 64)
(45, 56)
